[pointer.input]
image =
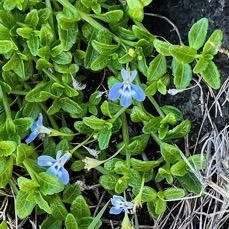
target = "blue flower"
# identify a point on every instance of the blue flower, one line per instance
(56, 165)
(119, 205)
(37, 129)
(126, 90)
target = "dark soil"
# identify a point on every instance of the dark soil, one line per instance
(184, 14)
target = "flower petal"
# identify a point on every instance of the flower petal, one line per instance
(125, 74)
(53, 170)
(31, 137)
(126, 99)
(63, 175)
(40, 120)
(64, 158)
(133, 75)
(115, 91)
(45, 160)
(43, 130)
(115, 210)
(117, 200)
(137, 92)
(58, 154)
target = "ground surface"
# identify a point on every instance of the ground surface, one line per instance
(207, 110)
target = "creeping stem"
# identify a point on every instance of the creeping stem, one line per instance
(125, 135)
(6, 104)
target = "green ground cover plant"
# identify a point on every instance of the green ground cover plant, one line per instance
(54, 123)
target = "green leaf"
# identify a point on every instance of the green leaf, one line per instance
(26, 184)
(183, 54)
(42, 203)
(23, 124)
(68, 37)
(179, 131)
(7, 19)
(24, 207)
(198, 161)
(151, 89)
(143, 34)
(135, 10)
(157, 68)
(6, 172)
(77, 166)
(162, 47)
(179, 169)
(31, 110)
(49, 184)
(111, 17)
(32, 18)
(86, 221)
(96, 124)
(138, 115)
(104, 138)
(122, 184)
(33, 44)
(104, 49)
(23, 152)
(160, 206)
(63, 58)
(171, 109)
(46, 35)
(182, 74)
(148, 193)
(70, 222)
(197, 34)
(51, 223)
(170, 153)
(108, 181)
(7, 148)
(79, 208)
(200, 66)
(15, 64)
(173, 193)
(95, 98)
(152, 126)
(70, 106)
(96, 221)
(161, 87)
(190, 182)
(71, 191)
(54, 108)
(143, 166)
(100, 62)
(5, 46)
(211, 75)
(121, 168)
(25, 32)
(3, 225)
(135, 178)
(43, 64)
(82, 128)
(57, 207)
(215, 38)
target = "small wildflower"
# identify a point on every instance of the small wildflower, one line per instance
(119, 205)
(38, 129)
(126, 90)
(93, 152)
(56, 165)
(91, 163)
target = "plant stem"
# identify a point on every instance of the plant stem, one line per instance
(51, 119)
(123, 109)
(6, 104)
(157, 107)
(126, 139)
(78, 155)
(13, 186)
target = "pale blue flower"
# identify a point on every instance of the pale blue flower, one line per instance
(126, 90)
(56, 165)
(37, 129)
(119, 205)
